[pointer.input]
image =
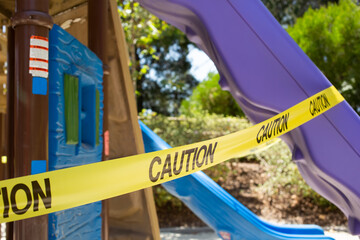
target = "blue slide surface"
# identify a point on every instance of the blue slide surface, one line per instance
(222, 212)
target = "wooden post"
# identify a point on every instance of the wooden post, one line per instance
(97, 34)
(10, 100)
(30, 110)
(123, 122)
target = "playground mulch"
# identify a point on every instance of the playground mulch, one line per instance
(242, 182)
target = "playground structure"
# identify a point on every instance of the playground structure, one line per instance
(131, 216)
(73, 114)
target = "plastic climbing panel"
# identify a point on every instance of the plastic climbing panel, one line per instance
(75, 126)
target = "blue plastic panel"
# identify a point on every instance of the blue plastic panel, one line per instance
(88, 118)
(38, 166)
(69, 56)
(39, 86)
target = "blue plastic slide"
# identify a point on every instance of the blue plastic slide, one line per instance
(222, 212)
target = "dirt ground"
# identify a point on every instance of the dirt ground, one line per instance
(242, 183)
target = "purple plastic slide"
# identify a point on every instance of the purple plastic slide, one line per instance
(267, 73)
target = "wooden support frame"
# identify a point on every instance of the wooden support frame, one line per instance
(121, 64)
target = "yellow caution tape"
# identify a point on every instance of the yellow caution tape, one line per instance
(44, 193)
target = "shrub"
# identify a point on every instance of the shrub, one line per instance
(330, 37)
(208, 97)
(178, 131)
(283, 175)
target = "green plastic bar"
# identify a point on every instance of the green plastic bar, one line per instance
(97, 116)
(71, 94)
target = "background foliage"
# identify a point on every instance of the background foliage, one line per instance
(158, 60)
(177, 131)
(185, 130)
(331, 38)
(283, 175)
(208, 97)
(287, 11)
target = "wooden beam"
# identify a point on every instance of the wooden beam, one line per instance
(119, 70)
(2, 103)
(2, 79)
(3, 48)
(74, 21)
(59, 6)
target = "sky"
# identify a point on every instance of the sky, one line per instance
(201, 64)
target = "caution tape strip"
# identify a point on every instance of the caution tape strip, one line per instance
(44, 193)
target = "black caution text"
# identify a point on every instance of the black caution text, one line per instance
(34, 193)
(180, 162)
